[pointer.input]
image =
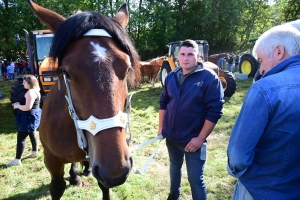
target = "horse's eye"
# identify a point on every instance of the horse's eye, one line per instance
(130, 69)
(64, 72)
(68, 77)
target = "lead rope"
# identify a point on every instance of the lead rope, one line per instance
(136, 147)
(146, 165)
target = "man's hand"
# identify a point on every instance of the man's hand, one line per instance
(195, 144)
(159, 131)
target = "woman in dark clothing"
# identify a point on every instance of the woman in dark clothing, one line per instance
(28, 118)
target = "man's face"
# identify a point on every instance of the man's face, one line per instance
(266, 63)
(187, 57)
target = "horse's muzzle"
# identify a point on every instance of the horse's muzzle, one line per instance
(110, 177)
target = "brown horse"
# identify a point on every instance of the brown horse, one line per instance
(151, 68)
(96, 59)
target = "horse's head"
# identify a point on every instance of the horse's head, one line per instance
(96, 56)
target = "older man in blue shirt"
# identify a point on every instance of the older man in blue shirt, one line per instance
(263, 150)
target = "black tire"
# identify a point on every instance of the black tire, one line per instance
(17, 92)
(248, 65)
(164, 71)
(230, 82)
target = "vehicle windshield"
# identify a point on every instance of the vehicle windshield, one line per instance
(43, 44)
(200, 49)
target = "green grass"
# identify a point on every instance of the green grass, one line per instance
(31, 181)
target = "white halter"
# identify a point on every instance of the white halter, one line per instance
(92, 124)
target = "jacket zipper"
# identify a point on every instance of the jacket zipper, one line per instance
(179, 99)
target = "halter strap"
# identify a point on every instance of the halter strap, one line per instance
(92, 124)
(97, 32)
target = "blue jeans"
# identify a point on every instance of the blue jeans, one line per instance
(229, 67)
(240, 192)
(195, 168)
(11, 76)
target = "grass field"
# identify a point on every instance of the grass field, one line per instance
(31, 181)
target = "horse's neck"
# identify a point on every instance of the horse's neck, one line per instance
(156, 61)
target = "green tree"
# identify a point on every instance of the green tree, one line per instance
(11, 23)
(226, 24)
(256, 17)
(289, 10)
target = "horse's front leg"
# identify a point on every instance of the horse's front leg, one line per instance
(87, 168)
(105, 191)
(75, 178)
(56, 169)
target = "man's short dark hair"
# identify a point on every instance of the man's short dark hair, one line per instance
(189, 43)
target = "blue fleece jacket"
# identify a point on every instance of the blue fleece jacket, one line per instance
(187, 106)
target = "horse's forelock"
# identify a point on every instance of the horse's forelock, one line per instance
(77, 25)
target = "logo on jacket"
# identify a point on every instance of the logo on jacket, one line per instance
(199, 84)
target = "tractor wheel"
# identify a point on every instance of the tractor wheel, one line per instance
(248, 65)
(164, 71)
(230, 83)
(17, 92)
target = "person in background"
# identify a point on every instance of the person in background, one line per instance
(230, 63)
(11, 70)
(221, 63)
(28, 118)
(23, 66)
(4, 71)
(190, 106)
(1, 68)
(264, 154)
(236, 64)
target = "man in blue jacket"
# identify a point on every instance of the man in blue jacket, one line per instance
(190, 106)
(263, 150)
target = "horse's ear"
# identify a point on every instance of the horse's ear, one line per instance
(122, 15)
(51, 19)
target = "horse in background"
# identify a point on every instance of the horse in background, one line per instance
(151, 68)
(92, 88)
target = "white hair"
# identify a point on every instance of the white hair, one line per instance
(295, 24)
(285, 35)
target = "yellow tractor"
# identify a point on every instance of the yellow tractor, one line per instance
(248, 64)
(38, 47)
(171, 62)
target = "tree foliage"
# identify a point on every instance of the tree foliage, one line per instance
(289, 10)
(226, 24)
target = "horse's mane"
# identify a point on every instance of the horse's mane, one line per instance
(77, 25)
(157, 60)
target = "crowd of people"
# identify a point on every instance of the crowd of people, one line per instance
(9, 69)
(263, 156)
(230, 64)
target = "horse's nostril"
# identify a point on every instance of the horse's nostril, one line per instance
(111, 177)
(131, 161)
